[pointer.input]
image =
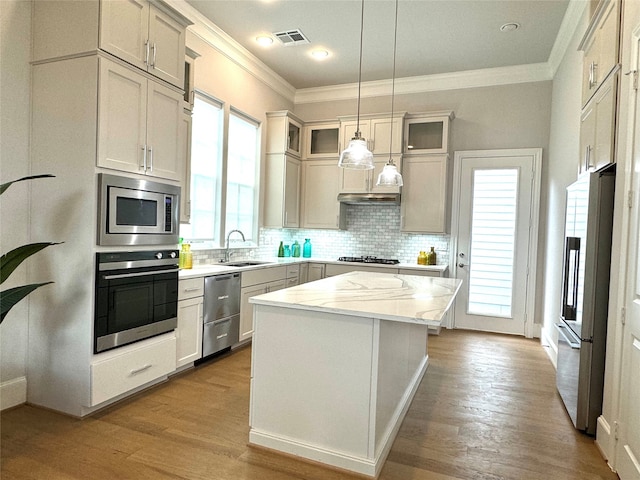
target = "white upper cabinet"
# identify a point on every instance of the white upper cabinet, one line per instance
(427, 132)
(147, 35)
(284, 133)
(321, 140)
(376, 130)
(320, 207)
(140, 126)
(600, 45)
(189, 78)
(425, 204)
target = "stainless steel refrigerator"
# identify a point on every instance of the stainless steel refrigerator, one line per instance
(582, 330)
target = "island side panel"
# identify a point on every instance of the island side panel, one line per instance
(311, 383)
(402, 362)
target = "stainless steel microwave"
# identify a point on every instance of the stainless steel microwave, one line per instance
(137, 212)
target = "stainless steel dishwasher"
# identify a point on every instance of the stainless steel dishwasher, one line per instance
(221, 313)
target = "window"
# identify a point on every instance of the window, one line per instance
(493, 229)
(211, 218)
(206, 169)
(241, 175)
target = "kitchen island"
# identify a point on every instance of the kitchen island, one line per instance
(336, 363)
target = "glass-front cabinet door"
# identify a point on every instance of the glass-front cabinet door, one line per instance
(427, 133)
(294, 130)
(321, 140)
(284, 133)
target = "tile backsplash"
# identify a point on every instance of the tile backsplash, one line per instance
(371, 230)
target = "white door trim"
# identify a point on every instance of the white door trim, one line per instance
(531, 329)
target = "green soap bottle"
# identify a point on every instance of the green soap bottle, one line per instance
(281, 250)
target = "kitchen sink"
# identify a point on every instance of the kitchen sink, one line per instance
(248, 263)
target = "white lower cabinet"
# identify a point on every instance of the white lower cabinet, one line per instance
(315, 272)
(190, 318)
(422, 273)
(189, 331)
(257, 282)
(129, 368)
(331, 270)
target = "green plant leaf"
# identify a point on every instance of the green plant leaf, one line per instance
(11, 260)
(10, 297)
(4, 186)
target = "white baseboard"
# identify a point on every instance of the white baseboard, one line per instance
(603, 438)
(13, 392)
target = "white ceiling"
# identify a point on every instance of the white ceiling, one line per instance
(434, 36)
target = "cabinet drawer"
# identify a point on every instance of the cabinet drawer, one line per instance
(293, 271)
(292, 282)
(190, 288)
(332, 270)
(119, 374)
(422, 273)
(263, 275)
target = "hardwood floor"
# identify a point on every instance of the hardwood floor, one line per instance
(486, 409)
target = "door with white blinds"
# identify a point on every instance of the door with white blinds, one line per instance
(495, 210)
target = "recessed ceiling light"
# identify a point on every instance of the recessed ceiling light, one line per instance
(509, 27)
(320, 54)
(264, 40)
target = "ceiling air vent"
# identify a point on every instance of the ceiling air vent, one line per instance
(291, 37)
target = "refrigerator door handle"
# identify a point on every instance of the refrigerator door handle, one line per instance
(561, 330)
(570, 281)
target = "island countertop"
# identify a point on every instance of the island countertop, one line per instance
(395, 297)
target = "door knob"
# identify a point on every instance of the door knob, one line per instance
(461, 265)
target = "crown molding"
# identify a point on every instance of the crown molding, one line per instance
(537, 72)
(227, 46)
(568, 27)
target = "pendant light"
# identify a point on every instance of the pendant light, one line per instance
(390, 175)
(357, 155)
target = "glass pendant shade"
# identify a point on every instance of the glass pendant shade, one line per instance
(389, 176)
(356, 155)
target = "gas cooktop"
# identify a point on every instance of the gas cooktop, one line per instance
(369, 259)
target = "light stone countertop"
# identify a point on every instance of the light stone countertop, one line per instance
(403, 298)
(219, 269)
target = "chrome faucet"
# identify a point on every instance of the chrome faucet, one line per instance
(227, 256)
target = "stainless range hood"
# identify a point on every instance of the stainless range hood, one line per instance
(369, 198)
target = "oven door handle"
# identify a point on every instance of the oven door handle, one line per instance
(139, 274)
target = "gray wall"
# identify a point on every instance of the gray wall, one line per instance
(506, 116)
(562, 170)
(15, 42)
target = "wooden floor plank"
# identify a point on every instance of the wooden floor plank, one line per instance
(487, 409)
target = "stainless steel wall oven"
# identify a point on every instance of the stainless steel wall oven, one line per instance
(136, 296)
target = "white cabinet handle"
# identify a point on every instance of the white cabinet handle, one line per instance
(140, 370)
(153, 63)
(151, 159)
(146, 55)
(587, 157)
(144, 158)
(191, 289)
(592, 74)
